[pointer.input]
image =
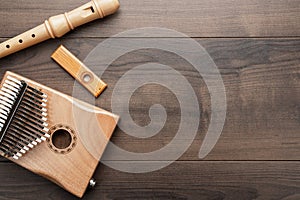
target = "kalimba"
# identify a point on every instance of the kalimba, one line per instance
(33, 116)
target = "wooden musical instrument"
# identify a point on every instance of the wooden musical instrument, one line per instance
(33, 118)
(79, 71)
(59, 25)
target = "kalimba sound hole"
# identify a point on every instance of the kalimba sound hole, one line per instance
(61, 139)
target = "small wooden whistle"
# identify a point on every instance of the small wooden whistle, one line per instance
(59, 25)
(79, 71)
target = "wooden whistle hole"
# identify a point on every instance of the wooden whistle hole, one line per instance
(87, 78)
(33, 35)
(20, 41)
(7, 46)
(61, 139)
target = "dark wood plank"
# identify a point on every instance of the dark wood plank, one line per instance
(206, 18)
(257, 156)
(262, 84)
(180, 180)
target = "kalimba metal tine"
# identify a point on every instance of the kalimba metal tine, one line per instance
(33, 103)
(27, 133)
(22, 117)
(14, 146)
(35, 92)
(16, 141)
(9, 151)
(32, 119)
(20, 138)
(32, 99)
(35, 109)
(32, 115)
(35, 96)
(27, 140)
(15, 128)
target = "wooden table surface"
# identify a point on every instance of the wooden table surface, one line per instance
(256, 46)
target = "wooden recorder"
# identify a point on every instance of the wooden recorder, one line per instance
(59, 25)
(33, 117)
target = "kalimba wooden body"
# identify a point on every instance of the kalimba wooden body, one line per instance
(88, 128)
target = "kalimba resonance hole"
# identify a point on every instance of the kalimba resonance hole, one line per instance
(61, 139)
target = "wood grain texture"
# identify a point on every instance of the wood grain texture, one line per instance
(202, 180)
(257, 156)
(261, 78)
(205, 18)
